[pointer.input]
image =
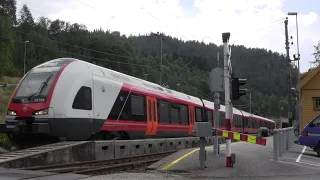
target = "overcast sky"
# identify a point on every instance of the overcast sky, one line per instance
(253, 23)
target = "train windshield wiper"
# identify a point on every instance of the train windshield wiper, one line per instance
(41, 88)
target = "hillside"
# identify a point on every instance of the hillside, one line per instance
(186, 64)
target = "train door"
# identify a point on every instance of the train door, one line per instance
(100, 97)
(191, 119)
(152, 118)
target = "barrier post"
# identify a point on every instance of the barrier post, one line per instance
(280, 142)
(283, 140)
(288, 137)
(286, 140)
(275, 144)
(292, 136)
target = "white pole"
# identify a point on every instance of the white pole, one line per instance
(225, 38)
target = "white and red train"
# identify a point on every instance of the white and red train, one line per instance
(75, 100)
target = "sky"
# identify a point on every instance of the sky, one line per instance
(252, 23)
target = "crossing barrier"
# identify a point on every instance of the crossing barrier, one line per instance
(282, 141)
(243, 137)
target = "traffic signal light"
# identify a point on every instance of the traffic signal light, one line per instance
(236, 91)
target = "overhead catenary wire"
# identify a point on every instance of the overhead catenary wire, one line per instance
(106, 60)
(79, 47)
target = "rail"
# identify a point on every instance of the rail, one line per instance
(283, 139)
(89, 167)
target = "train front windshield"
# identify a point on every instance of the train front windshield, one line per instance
(35, 86)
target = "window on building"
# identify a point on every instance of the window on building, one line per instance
(83, 99)
(316, 103)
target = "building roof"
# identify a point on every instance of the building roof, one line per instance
(307, 76)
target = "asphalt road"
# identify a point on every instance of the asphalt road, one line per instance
(252, 162)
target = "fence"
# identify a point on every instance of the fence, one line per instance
(283, 139)
(8, 85)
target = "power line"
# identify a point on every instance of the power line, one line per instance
(107, 60)
(79, 47)
(203, 94)
(112, 54)
(86, 4)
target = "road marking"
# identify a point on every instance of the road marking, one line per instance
(188, 154)
(179, 159)
(299, 157)
(311, 164)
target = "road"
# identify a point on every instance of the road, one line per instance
(252, 162)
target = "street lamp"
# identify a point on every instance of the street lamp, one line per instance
(24, 58)
(298, 78)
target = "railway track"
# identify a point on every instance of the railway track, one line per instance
(102, 166)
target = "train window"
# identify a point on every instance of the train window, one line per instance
(209, 116)
(163, 111)
(83, 99)
(118, 106)
(199, 115)
(222, 119)
(137, 105)
(245, 122)
(184, 114)
(175, 116)
(238, 121)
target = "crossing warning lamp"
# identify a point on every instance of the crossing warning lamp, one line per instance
(236, 92)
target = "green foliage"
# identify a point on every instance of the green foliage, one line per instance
(316, 54)
(186, 65)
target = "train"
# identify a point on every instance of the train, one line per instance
(73, 100)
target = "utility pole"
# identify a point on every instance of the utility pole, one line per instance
(298, 73)
(161, 39)
(216, 145)
(25, 57)
(289, 70)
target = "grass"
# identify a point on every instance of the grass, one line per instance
(5, 94)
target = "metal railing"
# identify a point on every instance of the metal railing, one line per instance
(283, 139)
(8, 85)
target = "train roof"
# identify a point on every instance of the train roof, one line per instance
(266, 119)
(121, 77)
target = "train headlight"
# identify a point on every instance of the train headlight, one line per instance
(41, 112)
(11, 113)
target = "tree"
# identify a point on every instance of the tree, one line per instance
(139, 56)
(316, 54)
(7, 20)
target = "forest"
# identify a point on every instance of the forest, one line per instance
(185, 64)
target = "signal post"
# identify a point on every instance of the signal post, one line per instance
(227, 69)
